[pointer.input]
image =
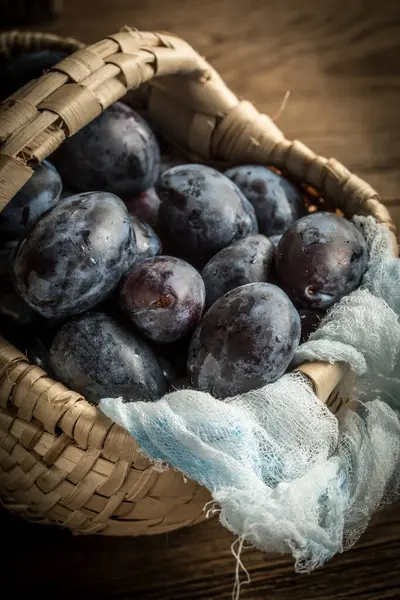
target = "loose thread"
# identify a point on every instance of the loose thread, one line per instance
(239, 565)
(214, 510)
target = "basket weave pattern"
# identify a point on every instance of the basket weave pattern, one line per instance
(61, 460)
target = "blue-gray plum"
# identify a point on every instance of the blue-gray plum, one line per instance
(147, 241)
(75, 255)
(145, 206)
(321, 258)
(117, 152)
(246, 261)
(245, 340)
(99, 357)
(201, 212)
(163, 297)
(34, 199)
(277, 201)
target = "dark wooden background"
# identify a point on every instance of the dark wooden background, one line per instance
(340, 59)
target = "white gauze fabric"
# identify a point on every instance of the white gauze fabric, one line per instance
(286, 475)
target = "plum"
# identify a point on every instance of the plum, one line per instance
(75, 255)
(278, 203)
(163, 297)
(98, 357)
(145, 206)
(321, 258)
(117, 152)
(201, 212)
(34, 199)
(246, 261)
(245, 340)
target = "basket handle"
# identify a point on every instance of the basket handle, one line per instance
(35, 121)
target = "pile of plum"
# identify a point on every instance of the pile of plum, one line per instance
(122, 275)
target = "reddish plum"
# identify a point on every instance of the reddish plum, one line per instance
(163, 297)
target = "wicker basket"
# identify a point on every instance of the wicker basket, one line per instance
(61, 460)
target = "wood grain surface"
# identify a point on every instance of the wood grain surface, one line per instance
(340, 60)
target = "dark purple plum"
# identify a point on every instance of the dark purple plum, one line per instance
(320, 259)
(201, 212)
(244, 341)
(145, 206)
(147, 241)
(164, 297)
(277, 201)
(20, 70)
(117, 153)
(75, 255)
(35, 198)
(310, 320)
(98, 357)
(246, 261)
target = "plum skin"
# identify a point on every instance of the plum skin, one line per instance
(41, 192)
(163, 297)
(117, 152)
(75, 255)
(244, 341)
(277, 202)
(98, 357)
(201, 212)
(320, 259)
(246, 261)
(145, 206)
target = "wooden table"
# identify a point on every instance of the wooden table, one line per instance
(341, 63)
